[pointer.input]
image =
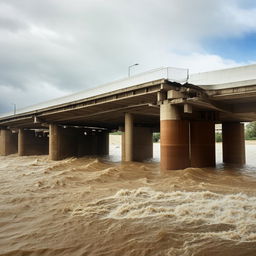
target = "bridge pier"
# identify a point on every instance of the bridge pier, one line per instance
(143, 143)
(92, 143)
(174, 138)
(202, 143)
(233, 143)
(30, 143)
(68, 142)
(103, 143)
(128, 137)
(123, 145)
(137, 144)
(8, 142)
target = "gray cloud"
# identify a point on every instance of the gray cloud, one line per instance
(50, 48)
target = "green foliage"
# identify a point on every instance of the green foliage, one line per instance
(218, 137)
(252, 138)
(156, 137)
(116, 133)
(250, 131)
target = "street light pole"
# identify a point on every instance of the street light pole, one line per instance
(14, 108)
(129, 68)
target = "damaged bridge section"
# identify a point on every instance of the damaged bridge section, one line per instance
(183, 107)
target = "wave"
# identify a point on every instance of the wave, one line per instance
(230, 216)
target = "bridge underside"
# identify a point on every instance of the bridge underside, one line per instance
(185, 115)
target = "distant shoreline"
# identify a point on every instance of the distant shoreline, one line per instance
(247, 142)
(116, 139)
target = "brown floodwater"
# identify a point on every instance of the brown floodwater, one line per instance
(97, 206)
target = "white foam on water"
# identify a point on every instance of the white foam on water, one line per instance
(181, 208)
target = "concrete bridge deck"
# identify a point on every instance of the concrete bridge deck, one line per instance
(158, 100)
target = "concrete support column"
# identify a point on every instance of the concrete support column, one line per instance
(103, 143)
(106, 144)
(67, 142)
(128, 137)
(142, 144)
(8, 142)
(54, 147)
(87, 144)
(202, 139)
(63, 142)
(233, 143)
(137, 144)
(30, 143)
(21, 143)
(174, 138)
(92, 144)
(123, 145)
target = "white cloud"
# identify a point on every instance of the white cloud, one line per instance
(75, 45)
(32, 94)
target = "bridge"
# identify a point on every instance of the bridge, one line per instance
(183, 107)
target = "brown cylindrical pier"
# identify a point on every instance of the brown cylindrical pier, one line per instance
(202, 139)
(128, 137)
(31, 144)
(54, 150)
(233, 144)
(21, 142)
(137, 144)
(174, 138)
(69, 141)
(8, 142)
(143, 144)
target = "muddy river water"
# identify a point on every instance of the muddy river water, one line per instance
(101, 206)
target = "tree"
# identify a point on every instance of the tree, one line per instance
(250, 131)
(156, 137)
(218, 137)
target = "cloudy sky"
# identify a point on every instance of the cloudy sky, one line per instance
(49, 48)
